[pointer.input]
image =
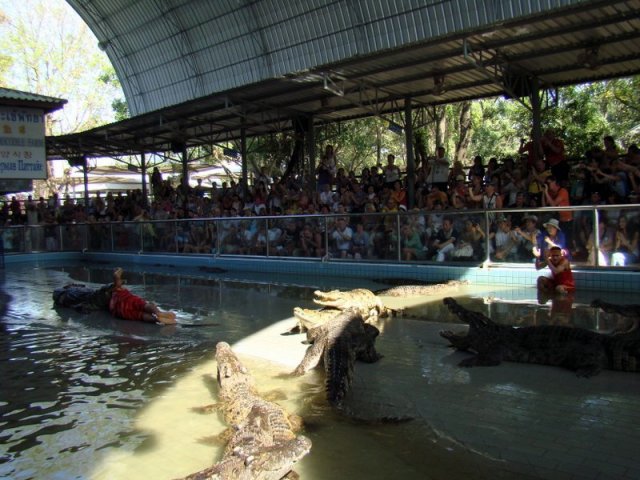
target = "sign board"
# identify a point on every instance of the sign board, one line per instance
(22, 148)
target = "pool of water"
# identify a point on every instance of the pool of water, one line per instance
(88, 396)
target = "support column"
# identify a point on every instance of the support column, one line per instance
(311, 152)
(185, 167)
(535, 115)
(411, 163)
(243, 156)
(143, 171)
(85, 174)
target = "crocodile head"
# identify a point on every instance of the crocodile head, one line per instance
(230, 371)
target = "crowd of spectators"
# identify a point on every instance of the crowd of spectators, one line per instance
(431, 229)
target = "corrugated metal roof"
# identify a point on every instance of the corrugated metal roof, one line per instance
(171, 51)
(12, 97)
(200, 71)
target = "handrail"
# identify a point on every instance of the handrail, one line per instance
(236, 236)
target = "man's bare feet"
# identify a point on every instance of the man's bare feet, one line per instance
(167, 318)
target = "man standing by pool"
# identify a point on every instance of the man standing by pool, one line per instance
(128, 306)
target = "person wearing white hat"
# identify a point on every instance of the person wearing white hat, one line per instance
(551, 237)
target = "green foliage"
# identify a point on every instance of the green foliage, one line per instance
(64, 63)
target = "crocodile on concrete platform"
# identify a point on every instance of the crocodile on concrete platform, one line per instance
(583, 351)
(339, 342)
(364, 301)
(263, 443)
(421, 290)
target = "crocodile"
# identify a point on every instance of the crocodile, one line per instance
(368, 303)
(364, 301)
(632, 311)
(339, 342)
(421, 290)
(584, 351)
(83, 298)
(262, 439)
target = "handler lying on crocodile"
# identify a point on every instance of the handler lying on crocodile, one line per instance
(83, 298)
(584, 351)
(113, 298)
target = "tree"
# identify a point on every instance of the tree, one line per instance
(47, 49)
(52, 52)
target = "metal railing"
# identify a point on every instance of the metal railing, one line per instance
(393, 237)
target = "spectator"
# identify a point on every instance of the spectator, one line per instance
(455, 172)
(439, 173)
(391, 172)
(311, 242)
(468, 246)
(626, 244)
(506, 241)
(444, 241)
(537, 178)
(528, 237)
(610, 148)
(492, 171)
(342, 235)
(477, 169)
(490, 199)
(553, 149)
(329, 160)
(459, 193)
(554, 195)
(410, 244)
(399, 195)
(606, 239)
(551, 237)
(532, 152)
(360, 242)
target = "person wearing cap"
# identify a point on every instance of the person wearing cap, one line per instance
(551, 237)
(561, 279)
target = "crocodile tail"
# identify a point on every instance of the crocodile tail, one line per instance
(339, 361)
(632, 311)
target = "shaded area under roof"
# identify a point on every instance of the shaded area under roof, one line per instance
(579, 41)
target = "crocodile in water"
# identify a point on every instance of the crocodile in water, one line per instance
(82, 298)
(584, 351)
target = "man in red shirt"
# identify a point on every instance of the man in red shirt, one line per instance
(561, 280)
(128, 306)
